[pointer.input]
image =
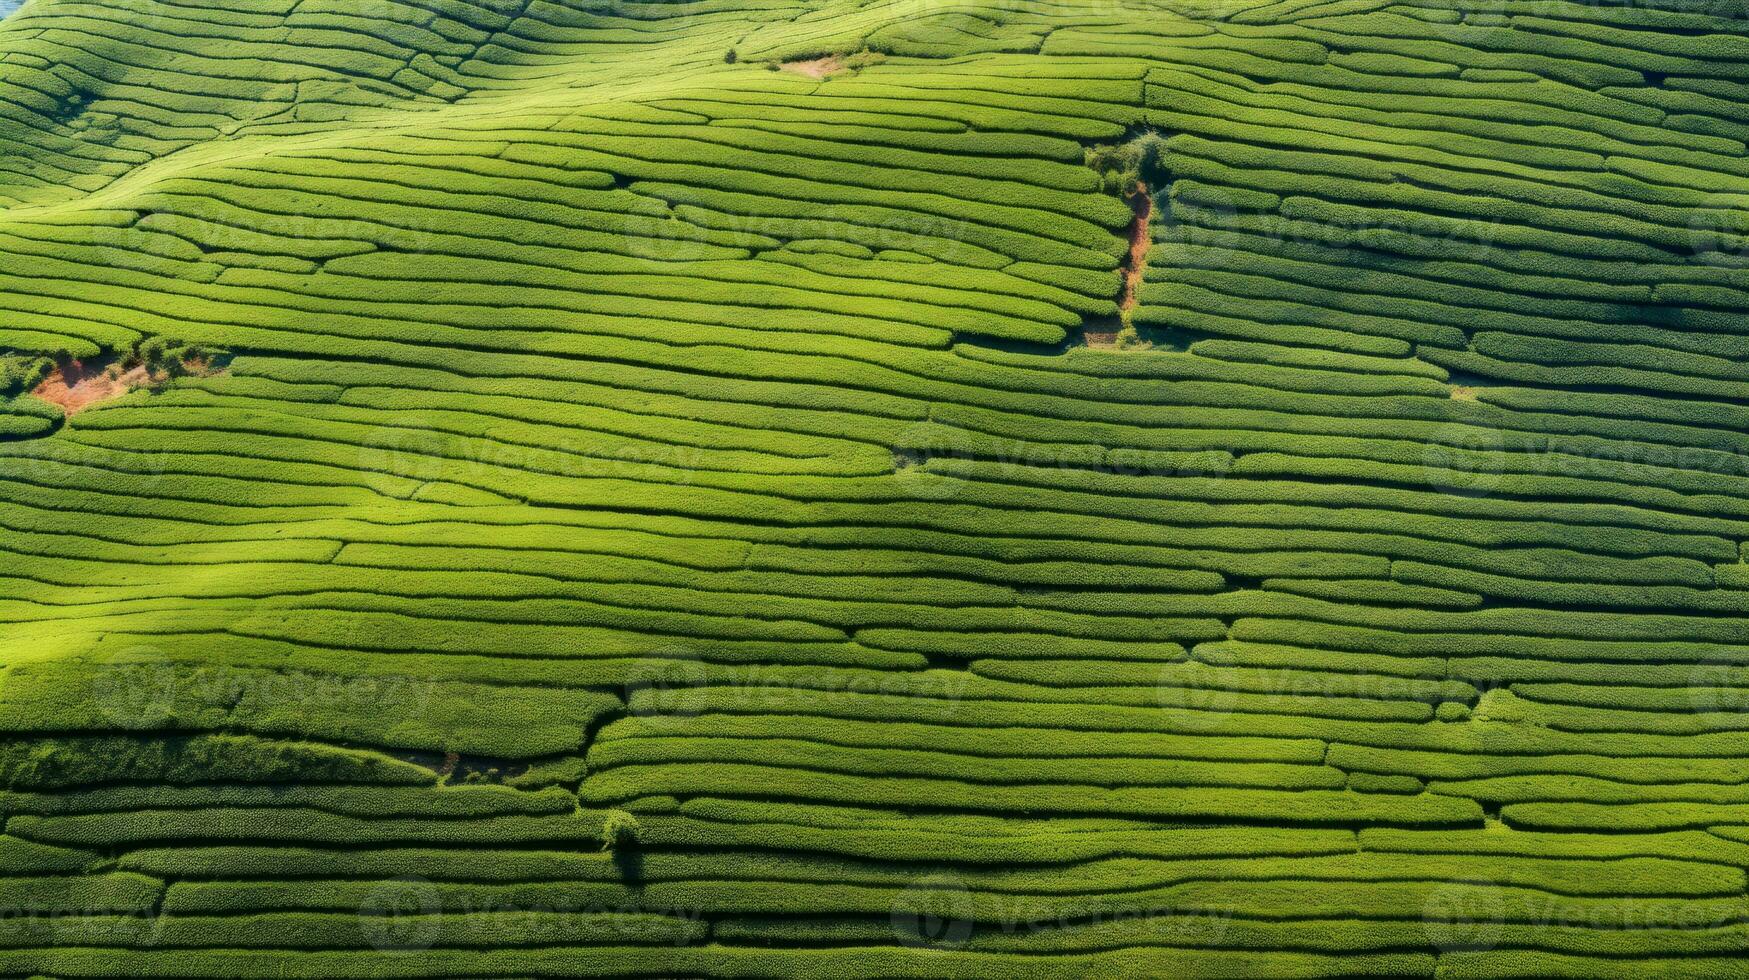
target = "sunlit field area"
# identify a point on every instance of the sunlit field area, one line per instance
(874, 488)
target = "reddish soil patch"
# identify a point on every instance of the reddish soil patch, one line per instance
(816, 68)
(1100, 339)
(1142, 203)
(76, 387)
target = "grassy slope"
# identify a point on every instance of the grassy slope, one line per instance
(615, 428)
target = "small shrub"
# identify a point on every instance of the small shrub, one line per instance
(21, 372)
(1129, 339)
(863, 59)
(730, 57)
(159, 353)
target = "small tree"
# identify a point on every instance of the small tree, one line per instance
(619, 831)
(863, 59)
(731, 57)
(1122, 165)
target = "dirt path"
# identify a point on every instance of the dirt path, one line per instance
(1141, 201)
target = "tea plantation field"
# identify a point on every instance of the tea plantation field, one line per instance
(851, 488)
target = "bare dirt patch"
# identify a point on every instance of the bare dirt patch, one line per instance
(1463, 393)
(815, 68)
(1117, 333)
(78, 385)
(75, 386)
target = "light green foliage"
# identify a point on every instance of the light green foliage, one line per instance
(21, 372)
(619, 831)
(610, 499)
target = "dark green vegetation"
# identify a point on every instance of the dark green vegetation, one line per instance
(659, 517)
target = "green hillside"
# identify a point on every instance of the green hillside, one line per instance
(752, 488)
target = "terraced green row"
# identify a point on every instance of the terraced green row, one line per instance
(657, 494)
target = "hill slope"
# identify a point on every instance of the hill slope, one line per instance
(703, 488)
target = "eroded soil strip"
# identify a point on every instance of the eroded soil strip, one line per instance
(1142, 203)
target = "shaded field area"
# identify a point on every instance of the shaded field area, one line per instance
(746, 488)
